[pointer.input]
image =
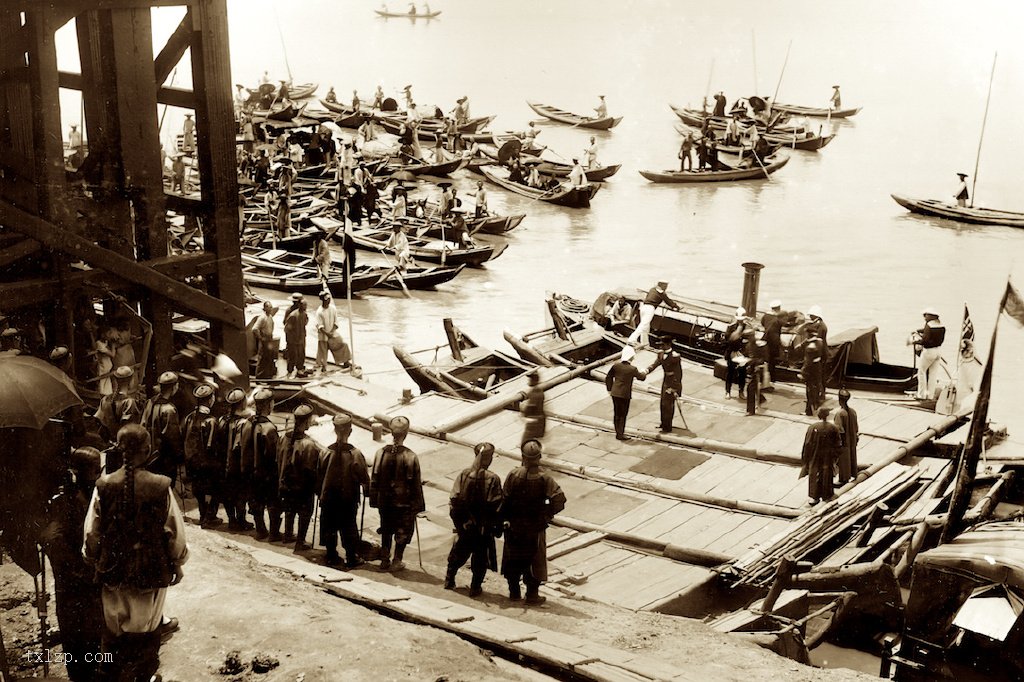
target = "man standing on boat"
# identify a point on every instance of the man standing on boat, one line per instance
(719, 104)
(962, 195)
(685, 156)
(532, 499)
(474, 508)
(846, 421)
(656, 297)
(577, 176)
(481, 200)
(602, 108)
(619, 383)
(836, 101)
(927, 342)
(821, 446)
(591, 154)
(671, 365)
(396, 491)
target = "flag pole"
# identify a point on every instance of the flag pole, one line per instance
(981, 138)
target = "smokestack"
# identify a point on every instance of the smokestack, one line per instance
(751, 285)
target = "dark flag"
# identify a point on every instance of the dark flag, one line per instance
(967, 339)
(967, 464)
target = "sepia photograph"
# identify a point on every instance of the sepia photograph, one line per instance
(582, 340)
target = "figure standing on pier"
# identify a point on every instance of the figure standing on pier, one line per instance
(188, 135)
(656, 297)
(846, 421)
(813, 370)
(298, 456)
(162, 421)
(260, 459)
(202, 462)
(771, 322)
(671, 363)
(396, 492)
(474, 508)
(234, 492)
(532, 499)
(619, 382)
(734, 338)
(821, 447)
(927, 342)
(342, 476)
(266, 350)
(295, 321)
(533, 409)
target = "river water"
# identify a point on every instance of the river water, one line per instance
(824, 226)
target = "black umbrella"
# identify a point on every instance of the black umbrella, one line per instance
(757, 103)
(509, 149)
(389, 104)
(32, 391)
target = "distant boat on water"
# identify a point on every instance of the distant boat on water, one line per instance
(428, 14)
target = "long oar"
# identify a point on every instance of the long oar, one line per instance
(396, 273)
(778, 85)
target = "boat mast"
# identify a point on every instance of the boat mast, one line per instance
(284, 49)
(753, 51)
(781, 74)
(981, 138)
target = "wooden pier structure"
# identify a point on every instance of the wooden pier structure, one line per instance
(101, 228)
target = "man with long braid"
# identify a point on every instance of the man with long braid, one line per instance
(396, 491)
(298, 456)
(135, 538)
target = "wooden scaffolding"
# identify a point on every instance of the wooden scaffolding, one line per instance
(111, 213)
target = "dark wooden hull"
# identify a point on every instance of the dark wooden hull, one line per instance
(562, 170)
(755, 173)
(575, 120)
(818, 112)
(975, 216)
(437, 169)
(571, 197)
(269, 275)
(406, 15)
(476, 256)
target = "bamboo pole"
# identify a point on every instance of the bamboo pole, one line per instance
(981, 138)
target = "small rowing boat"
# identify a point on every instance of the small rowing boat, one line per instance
(264, 268)
(429, 250)
(429, 128)
(963, 214)
(423, 168)
(755, 172)
(575, 120)
(818, 112)
(561, 194)
(407, 15)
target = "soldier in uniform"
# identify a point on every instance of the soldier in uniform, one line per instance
(821, 447)
(533, 410)
(259, 464)
(342, 476)
(846, 421)
(671, 382)
(202, 463)
(120, 407)
(532, 499)
(813, 370)
(233, 491)
(79, 609)
(396, 491)
(298, 456)
(162, 421)
(135, 538)
(474, 505)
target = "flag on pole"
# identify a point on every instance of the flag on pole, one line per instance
(1013, 305)
(967, 339)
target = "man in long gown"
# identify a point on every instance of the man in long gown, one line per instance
(821, 447)
(396, 491)
(846, 421)
(474, 503)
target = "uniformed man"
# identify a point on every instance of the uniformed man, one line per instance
(927, 342)
(298, 456)
(619, 382)
(813, 371)
(342, 476)
(396, 491)
(162, 421)
(202, 461)
(474, 508)
(532, 408)
(671, 363)
(656, 297)
(234, 488)
(259, 466)
(532, 499)
(79, 609)
(756, 352)
(135, 538)
(821, 446)
(772, 324)
(849, 433)
(120, 407)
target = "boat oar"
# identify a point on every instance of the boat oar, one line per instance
(396, 273)
(767, 175)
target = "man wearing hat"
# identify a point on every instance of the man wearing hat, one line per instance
(188, 134)
(577, 176)
(328, 336)
(120, 407)
(719, 104)
(671, 363)
(771, 322)
(396, 491)
(234, 491)
(135, 539)
(813, 370)
(77, 594)
(532, 499)
(821, 448)
(927, 342)
(473, 506)
(756, 352)
(298, 456)
(266, 349)
(10, 341)
(259, 465)
(60, 357)
(342, 476)
(836, 101)
(845, 420)
(161, 420)
(532, 408)
(177, 173)
(202, 460)
(295, 321)
(656, 297)
(619, 382)
(735, 334)
(962, 195)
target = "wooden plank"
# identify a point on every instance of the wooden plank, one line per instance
(738, 534)
(174, 49)
(671, 518)
(175, 97)
(642, 514)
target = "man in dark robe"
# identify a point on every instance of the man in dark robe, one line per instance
(821, 447)
(474, 503)
(341, 477)
(234, 491)
(162, 420)
(203, 462)
(671, 382)
(813, 370)
(719, 104)
(619, 382)
(298, 456)
(295, 322)
(396, 491)
(846, 421)
(532, 499)
(533, 410)
(772, 324)
(259, 464)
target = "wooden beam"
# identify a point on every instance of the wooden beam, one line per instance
(174, 50)
(63, 240)
(31, 292)
(84, 5)
(12, 254)
(175, 97)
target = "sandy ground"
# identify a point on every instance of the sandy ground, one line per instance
(228, 602)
